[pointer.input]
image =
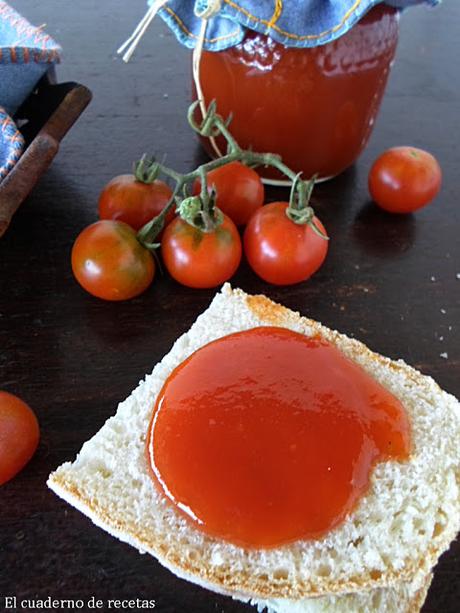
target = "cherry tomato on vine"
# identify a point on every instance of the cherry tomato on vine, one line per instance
(280, 251)
(201, 259)
(19, 435)
(109, 262)
(404, 179)
(240, 191)
(126, 198)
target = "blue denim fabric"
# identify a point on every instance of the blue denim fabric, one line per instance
(11, 144)
(295, 23)
(26, 53)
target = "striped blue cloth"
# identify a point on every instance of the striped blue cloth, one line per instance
(295, 23)
(11, 144)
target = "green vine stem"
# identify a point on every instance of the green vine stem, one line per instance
(201, 211)
(145, 170)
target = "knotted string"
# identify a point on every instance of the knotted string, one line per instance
(212, 7)
(135, 38)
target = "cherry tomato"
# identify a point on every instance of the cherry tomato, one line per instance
(201, 259)
(127, 199)
(109, 262)
(404, 179)
(19, 435)
(281, 251)
(239, 191)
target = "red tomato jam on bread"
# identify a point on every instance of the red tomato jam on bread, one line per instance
(267, 436)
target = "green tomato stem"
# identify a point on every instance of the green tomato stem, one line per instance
(201, 211)
(149, 232)
(146, 170)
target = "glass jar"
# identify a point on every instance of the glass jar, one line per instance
(313, 106)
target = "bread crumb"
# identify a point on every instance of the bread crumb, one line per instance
(433, 278)
(444, 355)
(443, 311)
(458, 276)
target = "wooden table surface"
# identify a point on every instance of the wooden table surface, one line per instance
(390, 281)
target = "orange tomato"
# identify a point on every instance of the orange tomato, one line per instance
(19, 435)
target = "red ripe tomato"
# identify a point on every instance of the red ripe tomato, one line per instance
(404, 179)
(19, 435)
(201, 259)
(109, 262)
(280, 251)
(239, 191)
(127, 199)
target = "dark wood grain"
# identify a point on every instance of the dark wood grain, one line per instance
(387, 280)
(46, 116)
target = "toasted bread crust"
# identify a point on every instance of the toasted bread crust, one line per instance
(226, 580)
(420, 595)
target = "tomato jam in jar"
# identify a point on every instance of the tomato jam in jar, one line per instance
(313, 106)
(266, 436)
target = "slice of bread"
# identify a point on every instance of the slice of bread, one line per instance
(397, 532)
(405, 598)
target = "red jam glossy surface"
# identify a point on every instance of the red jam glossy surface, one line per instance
(315, 106)
(267, 436)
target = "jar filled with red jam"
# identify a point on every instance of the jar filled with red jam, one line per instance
(313, 106)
